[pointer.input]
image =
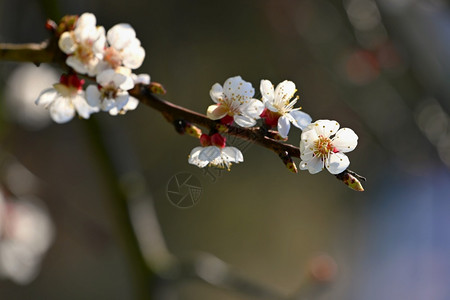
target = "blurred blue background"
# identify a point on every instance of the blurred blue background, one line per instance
(379, 67)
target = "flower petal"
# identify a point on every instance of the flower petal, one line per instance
(82, 107)
(345, 140)
(314, 165)
(131, 104)
(194, 160)
(46, 97)
(106, 76)
(133, 57)
(326, 128)
(93, 96)
(76, 64)
(66, 43)
(216, 93)
(301, 119)
(285, 91)
(216, 112)
(62, 110)
(253, 109)
(337, 163)
(283, 126)
(267, 91)
(121, 99)
(236, 88)
(244, 121)
(120, 36)
(233, 154)
(141, 78)
(209, 153)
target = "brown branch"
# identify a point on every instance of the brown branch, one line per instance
(174, 112)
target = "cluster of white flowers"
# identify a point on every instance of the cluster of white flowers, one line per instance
(235, 104)
(110, 58)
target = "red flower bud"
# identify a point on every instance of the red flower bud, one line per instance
(218, 140)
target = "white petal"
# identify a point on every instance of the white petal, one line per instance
(308, 137)
(100, 42)
(93, 96)
(337, 163)
(76, 64)
(314, 165)
(238, 89)
(253, 109)
(141, 78)
(345, 140)
(62, 110)
(128, 84)
(216, 93)
(244, 121)
(307, 153)
(82, 107)
(209, 153)
(46, 97)
(86, 19)
(131, 104)
(106, 76)
(114, 111)
(326, 128)
(194, 160)
(66, 43)
(285, 91)
(120, 36)
(121, 100)
(267, 90)
(133, 57)
(108, 104)
(301, 119)
(283, 126)
(216, 112)
(233, 154)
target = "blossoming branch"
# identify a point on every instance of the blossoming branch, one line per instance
(108, 58)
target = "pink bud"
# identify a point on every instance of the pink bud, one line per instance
(205, 140)
(218, 140)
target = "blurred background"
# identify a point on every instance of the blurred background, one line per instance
(379, 67)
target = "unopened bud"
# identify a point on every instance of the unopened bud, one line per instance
(205, 140)
(193, 130)
(51, 25)
(67, 23)
(218, 140)
(289, 162)
(352, 180)
(157, 88)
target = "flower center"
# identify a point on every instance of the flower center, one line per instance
(84, 52)
(108, 92)
(323, 147)
(112, 56)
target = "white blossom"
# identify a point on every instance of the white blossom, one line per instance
(319, 149)
(280, 103)
(124, 48)
(111, 93)
(84, 45)
(26, 233)
(235, 101)
(66, 98)
(215, 156)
